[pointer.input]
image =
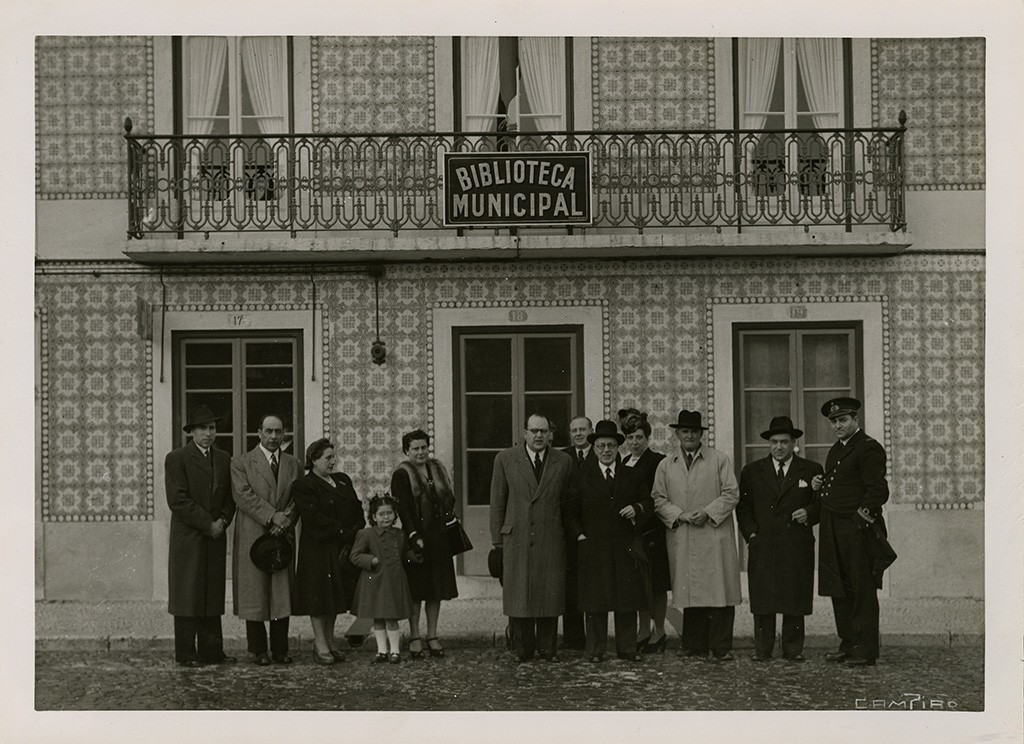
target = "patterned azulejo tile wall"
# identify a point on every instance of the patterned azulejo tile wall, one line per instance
(373, 83)
(97, 450)
(651, 83)
(940, 83)
(85, 87)
(96, 368)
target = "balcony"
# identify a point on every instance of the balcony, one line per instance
(651, 185)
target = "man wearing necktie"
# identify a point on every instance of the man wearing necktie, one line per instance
(852, 492)
(261, 482)
(606, 505)
(581, 451)
(529, 483)
(776, 512)
(695, 493)
(198, 486)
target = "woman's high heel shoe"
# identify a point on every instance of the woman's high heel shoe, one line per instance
(416, 653)
(641, 645)
(658, 647)
(435, 651)
(324, 660)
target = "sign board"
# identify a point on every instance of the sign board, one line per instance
(516, 188)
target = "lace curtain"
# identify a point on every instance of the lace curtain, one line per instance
(263, 65)
(542, 63)
(207, 59)
(760, 60)
(820, 63)
(479, 83)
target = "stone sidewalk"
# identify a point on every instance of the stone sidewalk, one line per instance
(479, 622)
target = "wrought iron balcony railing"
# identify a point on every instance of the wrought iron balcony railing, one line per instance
(641, 179)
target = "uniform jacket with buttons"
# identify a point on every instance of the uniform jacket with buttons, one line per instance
(855, 476)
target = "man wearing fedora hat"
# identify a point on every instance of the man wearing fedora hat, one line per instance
(695, 493)
(606, 505)
(198, 485)
(776, 512)
(261, 482)
(852, 492)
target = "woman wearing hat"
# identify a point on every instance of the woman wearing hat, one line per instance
(644, 460)
(426, 502)
(330, 516)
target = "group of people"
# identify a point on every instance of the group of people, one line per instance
(589, 531)
(378, 572)
(578, 533)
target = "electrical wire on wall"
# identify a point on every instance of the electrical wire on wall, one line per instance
(378, 349)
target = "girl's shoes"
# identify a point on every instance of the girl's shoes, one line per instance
(658, 647)
(434, 647)
(394, 659)
(379, 659)
(322, 659)
(417, 652)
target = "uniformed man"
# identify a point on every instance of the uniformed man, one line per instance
(851, 491)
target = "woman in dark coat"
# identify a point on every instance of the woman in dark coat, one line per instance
(331, 514)
(645, 461)
(426, 502)
(602, 515)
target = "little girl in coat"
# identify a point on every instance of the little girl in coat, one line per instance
(383, 590)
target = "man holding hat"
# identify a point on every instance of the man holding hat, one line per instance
(851, 491)
(198, 485)
(776, 512)
(606, 504)
(694, 493)
(261, 482)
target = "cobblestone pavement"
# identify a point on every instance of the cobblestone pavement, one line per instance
(470, 679)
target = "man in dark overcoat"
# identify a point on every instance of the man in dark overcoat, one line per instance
(198, 484)
(852, 492)
(581, 450)
(776, 512)
(606, 503)
(528, 484)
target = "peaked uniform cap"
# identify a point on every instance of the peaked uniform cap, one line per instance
(840, 407)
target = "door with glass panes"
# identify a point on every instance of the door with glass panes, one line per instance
(241, 378)
(791, 370)
(502, 376)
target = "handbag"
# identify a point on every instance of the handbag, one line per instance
(458, 540)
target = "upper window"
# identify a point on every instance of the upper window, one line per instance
(790, 83)
(512, 83)
(235, 84)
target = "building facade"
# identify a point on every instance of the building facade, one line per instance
(765, 233)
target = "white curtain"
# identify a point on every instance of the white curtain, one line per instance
(207, 58)
(760, 60)
(542, 61)
(820, 64)
(480, 83)
(263, 62)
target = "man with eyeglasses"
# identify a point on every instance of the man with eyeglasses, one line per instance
(528, 485)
